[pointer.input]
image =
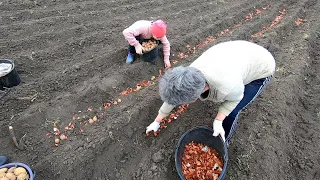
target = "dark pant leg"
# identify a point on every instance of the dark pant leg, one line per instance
(132, 49)
(251, 91)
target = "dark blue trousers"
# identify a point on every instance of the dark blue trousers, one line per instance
(251, 91)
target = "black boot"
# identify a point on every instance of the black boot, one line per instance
(3, 160)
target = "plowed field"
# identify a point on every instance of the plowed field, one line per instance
(71, 54)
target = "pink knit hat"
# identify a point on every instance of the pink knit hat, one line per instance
(159, 28)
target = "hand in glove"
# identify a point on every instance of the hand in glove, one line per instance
(138, 48)
(218, 129)
(153, 127)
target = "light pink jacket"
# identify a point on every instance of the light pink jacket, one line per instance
(142, 28)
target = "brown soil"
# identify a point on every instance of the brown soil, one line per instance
(71, 57)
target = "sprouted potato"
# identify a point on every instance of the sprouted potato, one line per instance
(149, 45)
(14, 173)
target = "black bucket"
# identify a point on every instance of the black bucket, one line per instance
(151, 55)
(11, 78)
(204, 136)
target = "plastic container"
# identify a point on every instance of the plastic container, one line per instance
(18, 164)
(152, 54)
(11, 78)
(204, 136)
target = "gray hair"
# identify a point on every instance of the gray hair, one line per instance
(181, 85)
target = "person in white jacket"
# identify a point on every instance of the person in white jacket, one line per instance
(233, 73)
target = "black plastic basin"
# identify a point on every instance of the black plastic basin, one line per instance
(204, 136)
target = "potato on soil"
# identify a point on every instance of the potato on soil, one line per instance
(63, 137)
(91, 121)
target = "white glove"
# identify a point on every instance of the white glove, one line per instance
(154, 126)
(218, 129)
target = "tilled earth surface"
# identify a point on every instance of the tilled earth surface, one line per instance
(70, 55)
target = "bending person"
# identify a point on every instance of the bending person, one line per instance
(233, 73)
(145, 30)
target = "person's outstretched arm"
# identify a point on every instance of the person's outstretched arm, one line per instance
(164, 111)
(166, 52)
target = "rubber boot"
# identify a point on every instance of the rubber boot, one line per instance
(130, 58)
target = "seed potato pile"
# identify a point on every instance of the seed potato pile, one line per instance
(14, 173)
(149, 45)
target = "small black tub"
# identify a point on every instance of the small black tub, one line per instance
(8, 78)
(152, 54)
(204, 136)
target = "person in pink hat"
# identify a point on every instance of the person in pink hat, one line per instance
(145, 30)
